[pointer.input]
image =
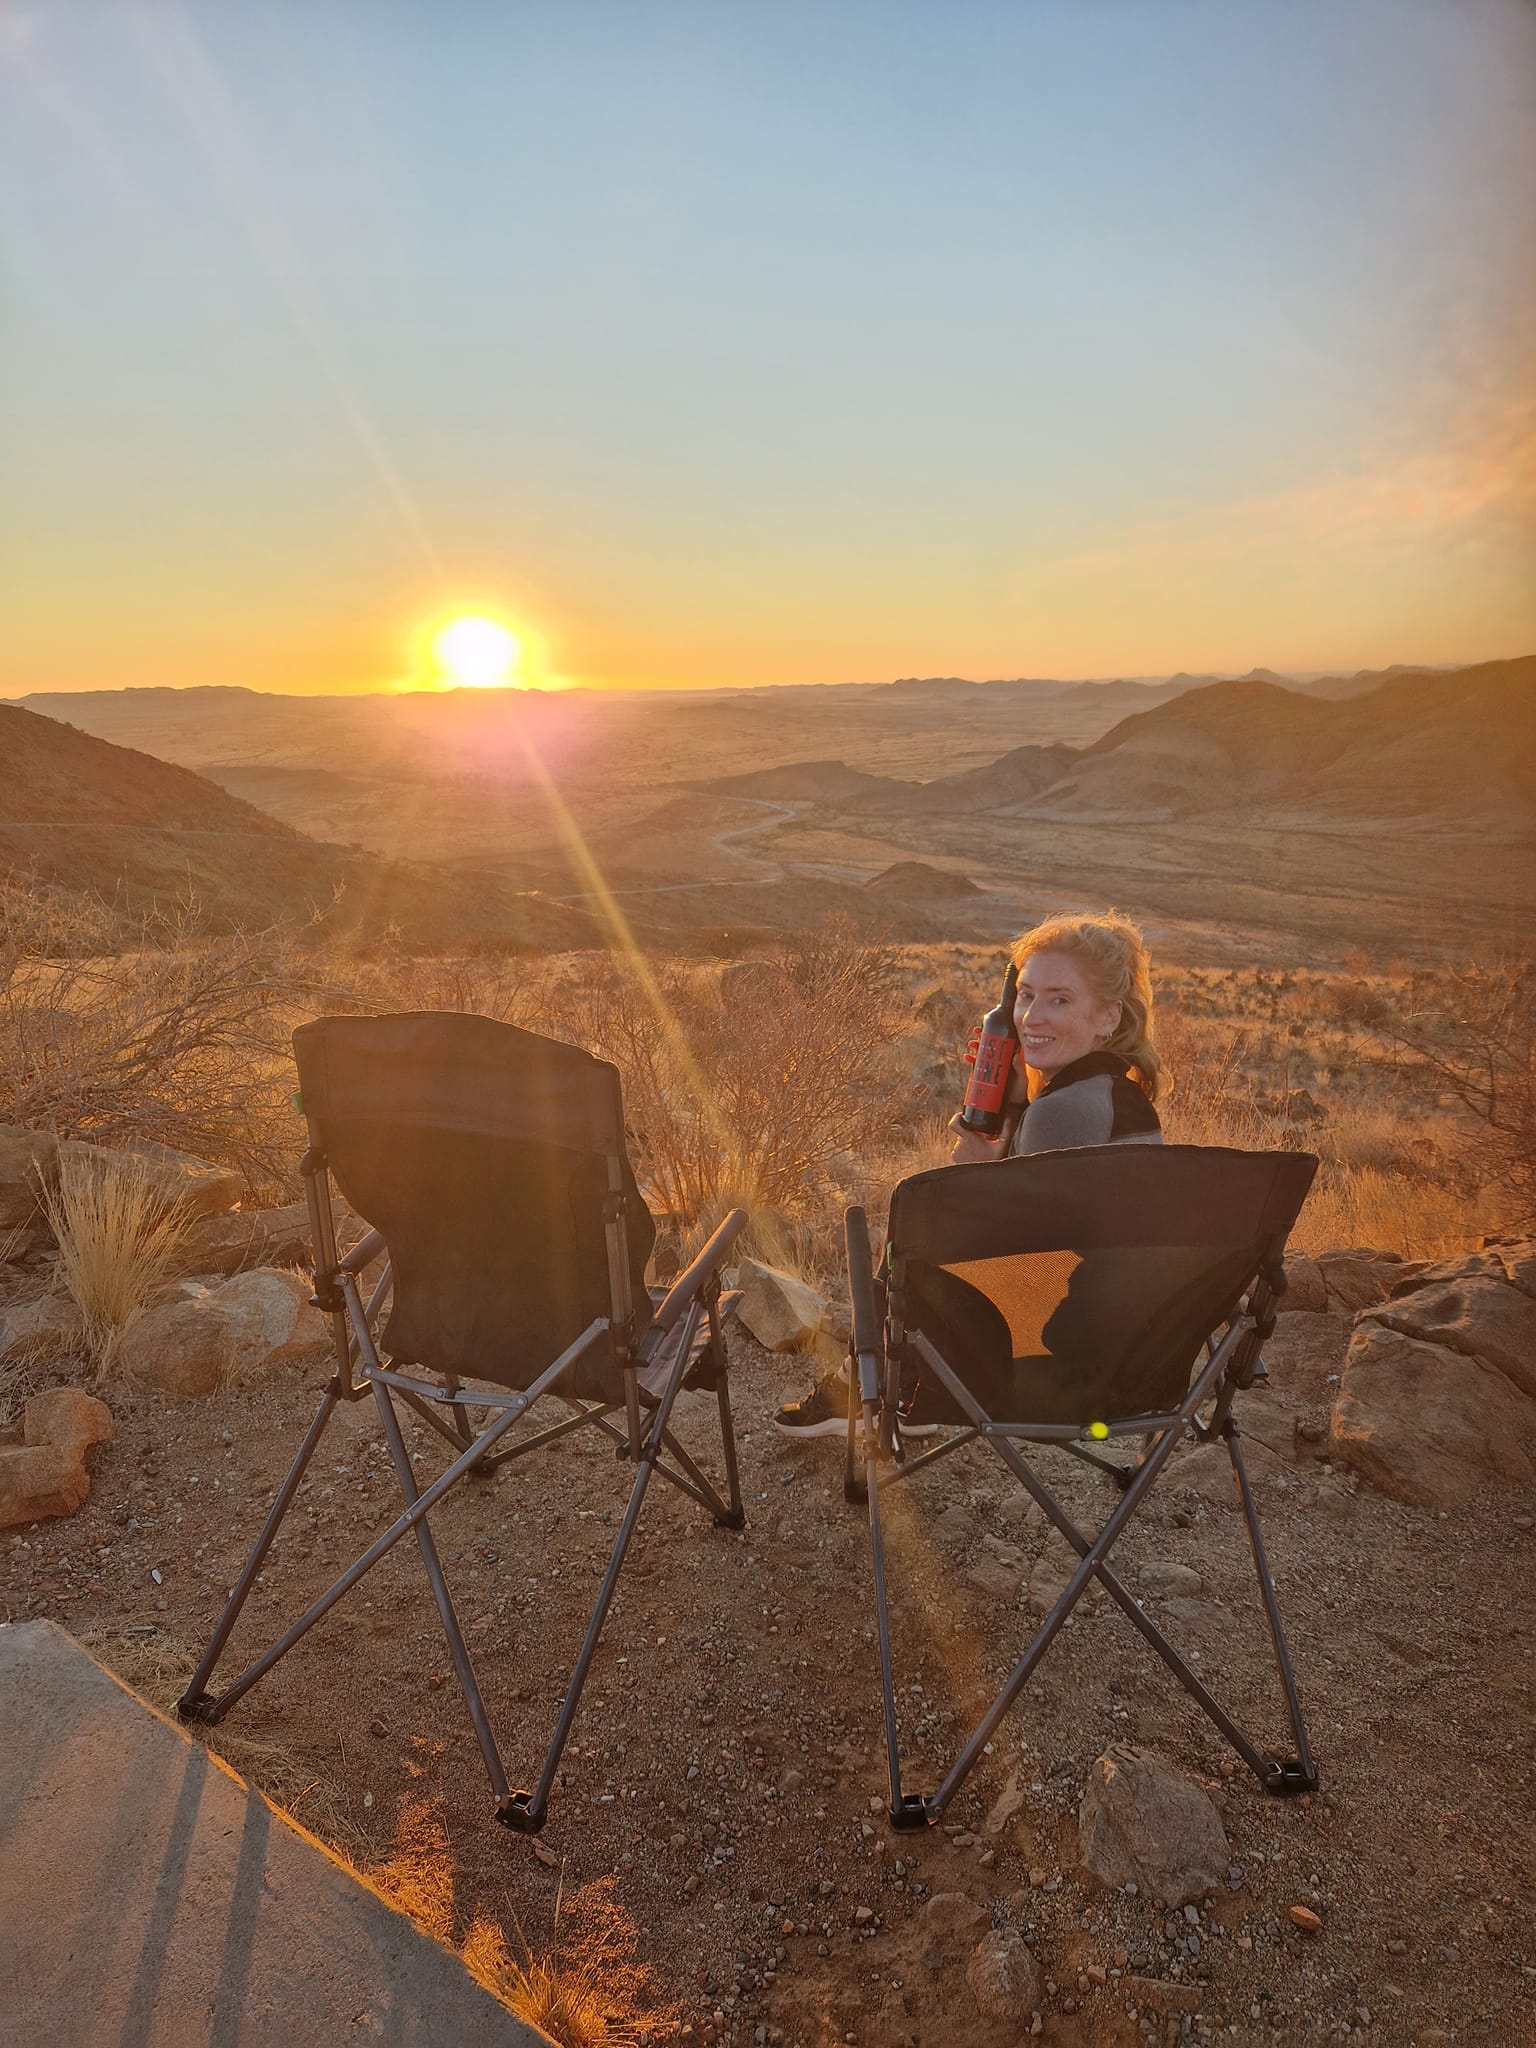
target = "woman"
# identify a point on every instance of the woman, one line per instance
(1089, 1075)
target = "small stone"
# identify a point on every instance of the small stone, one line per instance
(949, 1913)
(1306, 1919)
(862, 1915)
(1141, 1821)
(1003, 1978)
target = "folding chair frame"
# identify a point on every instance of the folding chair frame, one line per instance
(1232, 1362)
(642, 1438)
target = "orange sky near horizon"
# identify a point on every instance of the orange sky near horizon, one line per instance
(765, 347)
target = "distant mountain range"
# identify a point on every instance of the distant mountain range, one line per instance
(80, 814)
(1454, 747)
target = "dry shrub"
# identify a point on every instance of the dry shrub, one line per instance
(1469, 1030)
(591, 1989)
(179, 1040)
(117, 1236)
(755, 1093)
(1383, 1178)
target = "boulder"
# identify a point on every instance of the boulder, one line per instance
(1517, 1255)
(233, 1332)
(42, 1328)
(271, 1322)
(192, 1185)
(1359, 1277)
(781, 1312)
(40, 1480)
(42, 1463)
(28, 1160)
(1003, 1979)
(1305, 1287)
(1472, 1312)
(182, 1347)
(1302, 1351)
(1143, 1822)
(68, 1418)
(240, 1238)
(1427, 1424)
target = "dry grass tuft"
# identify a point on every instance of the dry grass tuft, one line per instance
(591, 1990)
(117, 1236)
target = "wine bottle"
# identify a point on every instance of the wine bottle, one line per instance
(984, 1098)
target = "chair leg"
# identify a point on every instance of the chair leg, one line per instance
(457, 1650)
(737, 1517)
(527, 1811)
(906, 1810)
(195, 1703)
(1297, 1773)
(1277, 1775)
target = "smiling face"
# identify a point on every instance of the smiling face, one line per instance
(1058, 1015)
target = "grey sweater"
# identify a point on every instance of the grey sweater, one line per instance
(1090, 1102)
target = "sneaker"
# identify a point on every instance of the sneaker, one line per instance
(824, 1412)
(821, 1412)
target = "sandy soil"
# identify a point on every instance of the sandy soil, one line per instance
(727, 1765)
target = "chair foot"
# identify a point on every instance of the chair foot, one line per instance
(1287, 1777)
(518, 1812)
(855, 1492)
(909, 1813)
(197, 1706)
(736, 1519)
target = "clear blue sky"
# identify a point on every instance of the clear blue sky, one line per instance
(774, 342)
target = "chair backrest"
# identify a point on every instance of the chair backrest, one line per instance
(486, 1155)
(1078, 1286)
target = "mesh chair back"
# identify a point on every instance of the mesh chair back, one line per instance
(485, 1155)
(1079, 1286)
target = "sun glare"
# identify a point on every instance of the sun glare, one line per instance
(473, 652)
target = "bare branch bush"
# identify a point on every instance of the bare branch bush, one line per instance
(754, 1093)
(177, 1039)
(1470, 1030)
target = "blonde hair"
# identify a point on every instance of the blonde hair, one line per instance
(1113, 956)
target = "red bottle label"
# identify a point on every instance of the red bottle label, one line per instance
(989, 1077)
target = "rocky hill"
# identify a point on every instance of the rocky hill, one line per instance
(1457, 748)
(1453, 749)
(82, 815)
(919, 878)
(820, 782)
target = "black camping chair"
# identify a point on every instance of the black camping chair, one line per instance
(491, 1164)
(1070, 1298)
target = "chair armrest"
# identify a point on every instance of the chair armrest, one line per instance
(704, 1266)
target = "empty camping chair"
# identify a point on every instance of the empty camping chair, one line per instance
(491, 1164)
(1074, 1298)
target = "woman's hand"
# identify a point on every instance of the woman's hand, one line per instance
(971, 1149)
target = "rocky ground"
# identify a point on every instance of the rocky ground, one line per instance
(727, 1766)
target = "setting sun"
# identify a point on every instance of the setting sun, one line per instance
(474, 652)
